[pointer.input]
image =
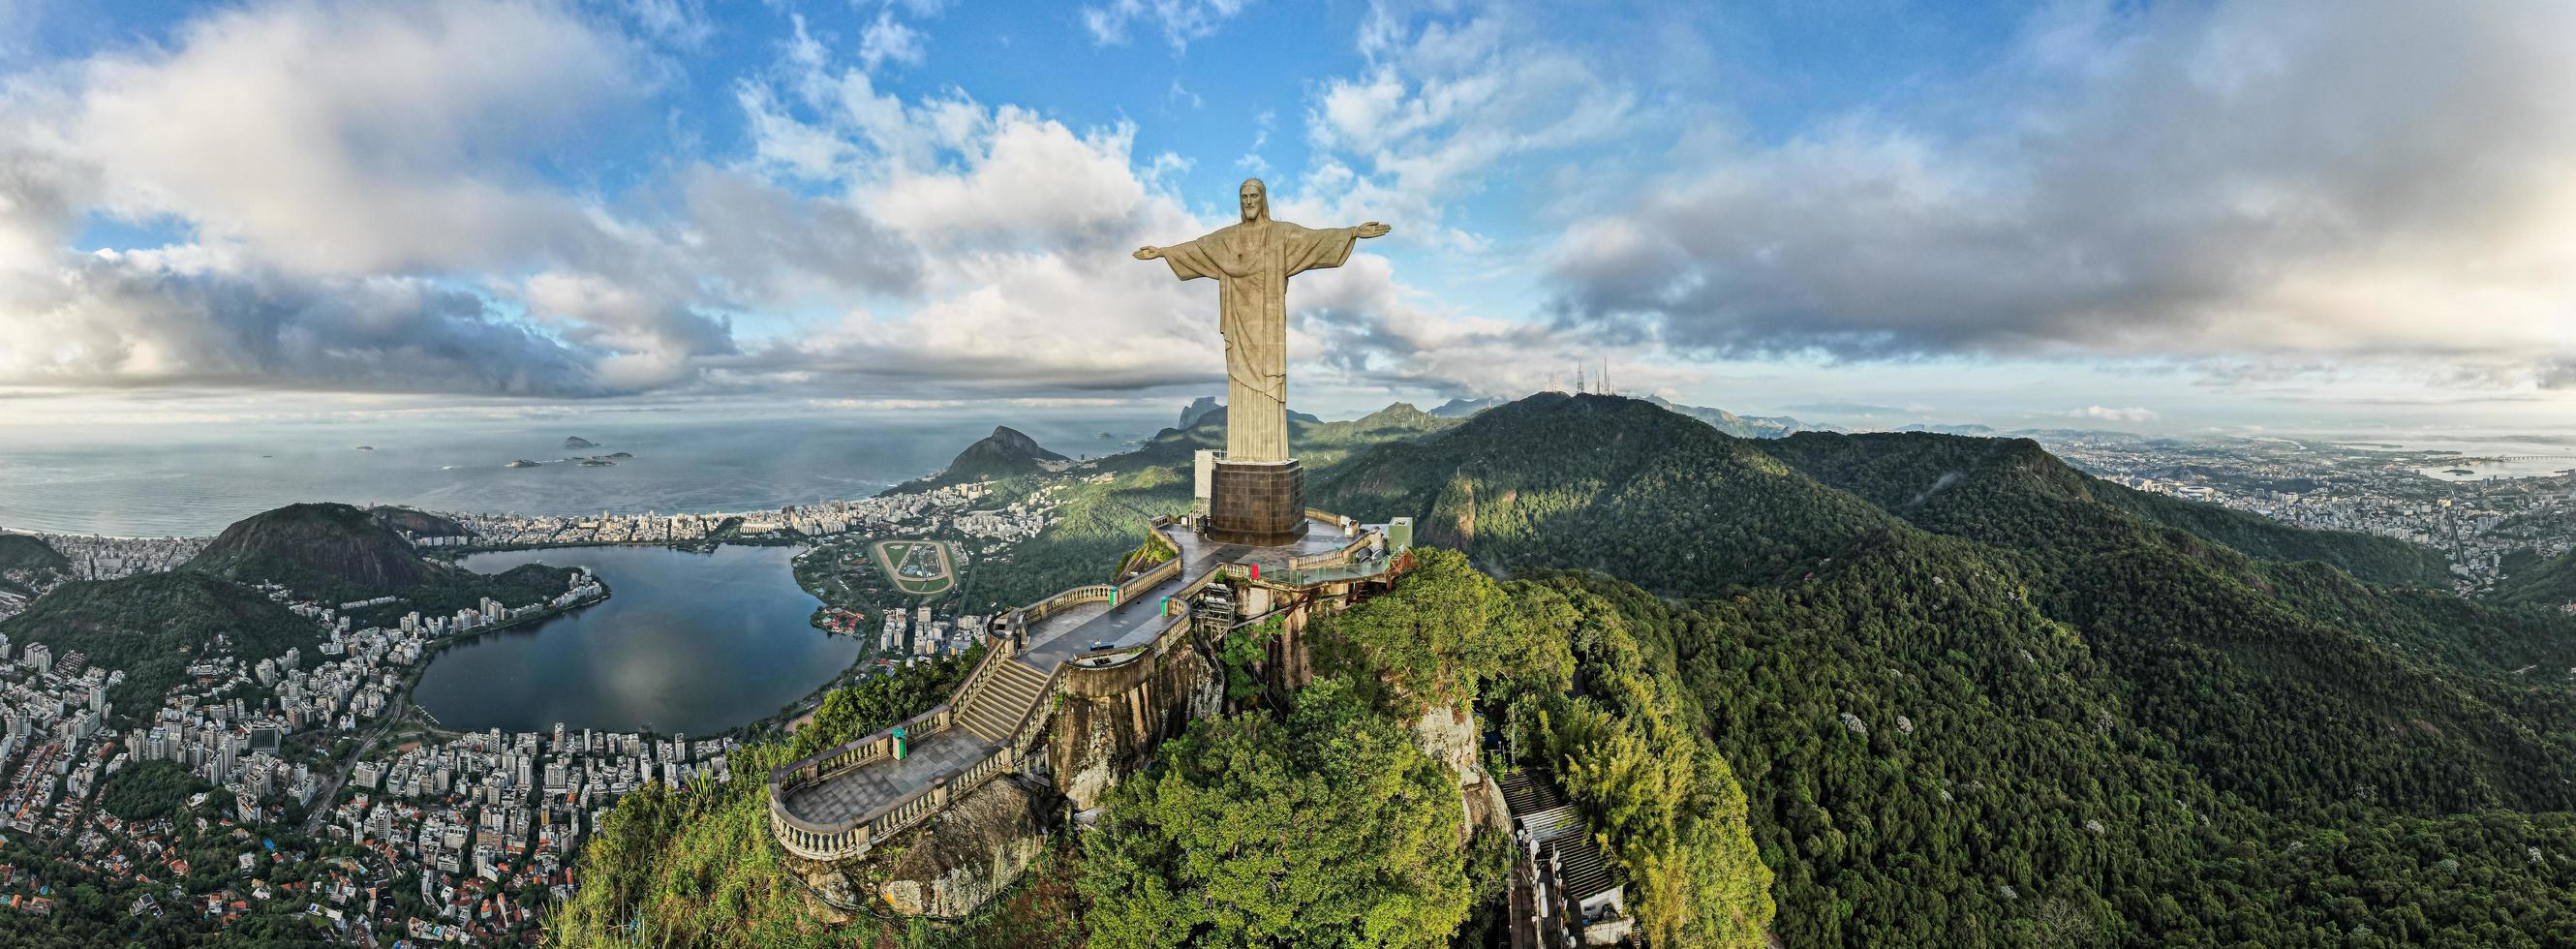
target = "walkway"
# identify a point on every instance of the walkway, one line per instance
(1136, 621)
(994, 707)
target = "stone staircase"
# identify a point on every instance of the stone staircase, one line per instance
(994, 713)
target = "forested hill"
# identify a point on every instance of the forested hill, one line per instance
(2533, 581)
(29, 559)
(1909, 474)
(1979, 698)
(22, 552)
(1604, 483)
(153, 625)
(311, 547)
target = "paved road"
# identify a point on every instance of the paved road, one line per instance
(340, 775)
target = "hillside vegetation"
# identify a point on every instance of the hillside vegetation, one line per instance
(1978, 698)
(154, 625)
(2533, 581)
(27, 561)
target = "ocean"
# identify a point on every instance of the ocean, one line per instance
(153, 481)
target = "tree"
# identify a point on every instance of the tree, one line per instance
(1328, 829)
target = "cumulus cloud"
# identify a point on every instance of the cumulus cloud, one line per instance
(1440, 106)
(395, 154)
(2179, 181)
(1180, 21)
(887, 39)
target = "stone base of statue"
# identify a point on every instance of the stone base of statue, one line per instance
(1260, 503)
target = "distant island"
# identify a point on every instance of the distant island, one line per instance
(366, 448)
(592, 461)
(577, 441)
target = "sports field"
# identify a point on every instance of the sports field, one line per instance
(917, 567)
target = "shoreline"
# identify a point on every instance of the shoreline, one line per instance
(774, 722)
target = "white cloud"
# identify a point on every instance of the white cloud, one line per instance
(169, 318)
(1180, 21)
(1441, 107)
(394, 155)
(2241, 178)
(887, 39)
(300, 129)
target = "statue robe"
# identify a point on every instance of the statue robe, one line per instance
(1252, 262)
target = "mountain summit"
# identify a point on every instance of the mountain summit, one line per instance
(1002, 454)
(314, 548)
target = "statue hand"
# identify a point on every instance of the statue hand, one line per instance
(1374, 229)
(1149, 252)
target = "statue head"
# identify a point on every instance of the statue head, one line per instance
(1255, 198)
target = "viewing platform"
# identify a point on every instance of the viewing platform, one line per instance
(838, 803)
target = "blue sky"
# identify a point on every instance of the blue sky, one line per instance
(2186, 217)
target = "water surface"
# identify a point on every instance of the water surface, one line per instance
(689, 642)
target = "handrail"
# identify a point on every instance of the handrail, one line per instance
(1149, 579)
(841, 839)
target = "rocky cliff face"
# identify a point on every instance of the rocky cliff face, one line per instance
(1198, 409)
(1111, 718)
(947, 868)
(971, 853)
(1449, 736)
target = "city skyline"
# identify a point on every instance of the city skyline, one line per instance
(2185, 218)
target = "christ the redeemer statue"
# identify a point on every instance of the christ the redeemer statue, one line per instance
(1252, 262)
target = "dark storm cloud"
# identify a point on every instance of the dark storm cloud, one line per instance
(120, 322)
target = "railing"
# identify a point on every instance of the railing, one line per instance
(843, 839)
(995, 653)
(831, 840)
(1140, 583)
(1095, 593)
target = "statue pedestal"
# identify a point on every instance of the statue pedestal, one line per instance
(1260, 503)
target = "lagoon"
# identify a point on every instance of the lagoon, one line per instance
(697, 643)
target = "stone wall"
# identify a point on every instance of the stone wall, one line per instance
(947, 868)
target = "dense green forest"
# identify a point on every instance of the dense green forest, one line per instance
(31, 558)
(1979, 698)
(149, 790)
(2531, 580)
(153, 625)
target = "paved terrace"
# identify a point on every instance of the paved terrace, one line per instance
(1052, 641)
(1134, 622)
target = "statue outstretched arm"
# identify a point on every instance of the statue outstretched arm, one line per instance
(1372, 229)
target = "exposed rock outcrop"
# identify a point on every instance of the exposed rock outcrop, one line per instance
(970, 854)
(1449, 736)
(1112, 717)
